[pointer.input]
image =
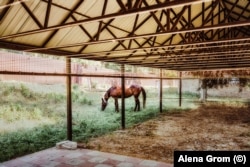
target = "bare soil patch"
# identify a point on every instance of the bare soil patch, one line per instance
(210, 127)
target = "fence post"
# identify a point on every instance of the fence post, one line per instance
(69, 101)
(160, 91)
(123, 96)
(180, 90)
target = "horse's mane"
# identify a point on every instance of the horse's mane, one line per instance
(109, 90)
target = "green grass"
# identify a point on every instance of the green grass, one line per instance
(19, 143)
(35, 119)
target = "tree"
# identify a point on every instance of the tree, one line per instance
(219, 79)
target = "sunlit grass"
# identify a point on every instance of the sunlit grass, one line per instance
(34, 120)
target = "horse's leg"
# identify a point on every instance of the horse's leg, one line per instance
(137, 104)
(116, 105)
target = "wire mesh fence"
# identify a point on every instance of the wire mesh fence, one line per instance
(34, 97)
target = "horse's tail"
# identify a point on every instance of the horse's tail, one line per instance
(144, 96)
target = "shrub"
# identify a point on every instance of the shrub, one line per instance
(25, 91)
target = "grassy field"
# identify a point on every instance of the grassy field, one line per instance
(33, 117)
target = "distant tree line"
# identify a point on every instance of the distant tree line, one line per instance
(221, 78)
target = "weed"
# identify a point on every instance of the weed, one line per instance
(8, 90)
(36, 114)
(84, 100)
(26, 92)
(55, 97)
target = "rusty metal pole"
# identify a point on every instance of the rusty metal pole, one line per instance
(180, 90)
(123, 96)
(160, 91)
(69, 101)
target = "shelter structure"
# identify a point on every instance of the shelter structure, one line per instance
(182, 35)
(170, 34)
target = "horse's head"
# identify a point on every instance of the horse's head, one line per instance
(104, 103)
(105, 99)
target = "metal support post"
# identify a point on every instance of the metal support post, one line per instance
(123, 96)
(180, 90)
(69, 101)
(160, 91)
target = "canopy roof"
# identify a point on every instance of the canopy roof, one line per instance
(169, 34)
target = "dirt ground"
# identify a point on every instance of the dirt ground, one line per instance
(210, 127)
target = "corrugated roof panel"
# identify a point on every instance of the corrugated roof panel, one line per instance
(162, 38)
(216, 17)
(177, 38)
(113, 57)
(57, 15)
(3, 2)
(65, 3)
(127, 23)
(195, 12)
(73, 35)
(153, 57)
(18, 20)
(139, 40)
(92, 28)
(119, 55)
(71, 49)
(34, 39)
(178, 9)
(13, 20)
(148, 27)
(91, 8)
(112, 7)
(105, 34)
(149, 2)
(206, 13)
(118, 33)
(60, 38)
(237, 11)
(39, 11)
(100, 47)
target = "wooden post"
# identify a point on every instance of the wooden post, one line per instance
(160, 91)
(123, 97)
(180, 90)
(69, 101)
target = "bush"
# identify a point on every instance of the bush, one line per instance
(23, 142)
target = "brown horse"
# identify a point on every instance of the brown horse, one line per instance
(116, 92)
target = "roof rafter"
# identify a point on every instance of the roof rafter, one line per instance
(46, 20)
(6, 8)
(62, 22)
(32, 15)
(100, 18)
(176, 34)
(205, 28)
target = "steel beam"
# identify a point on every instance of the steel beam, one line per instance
(160, 91)
(123, 124)
(69, 99)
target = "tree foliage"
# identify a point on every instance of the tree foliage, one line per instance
(222, 78)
